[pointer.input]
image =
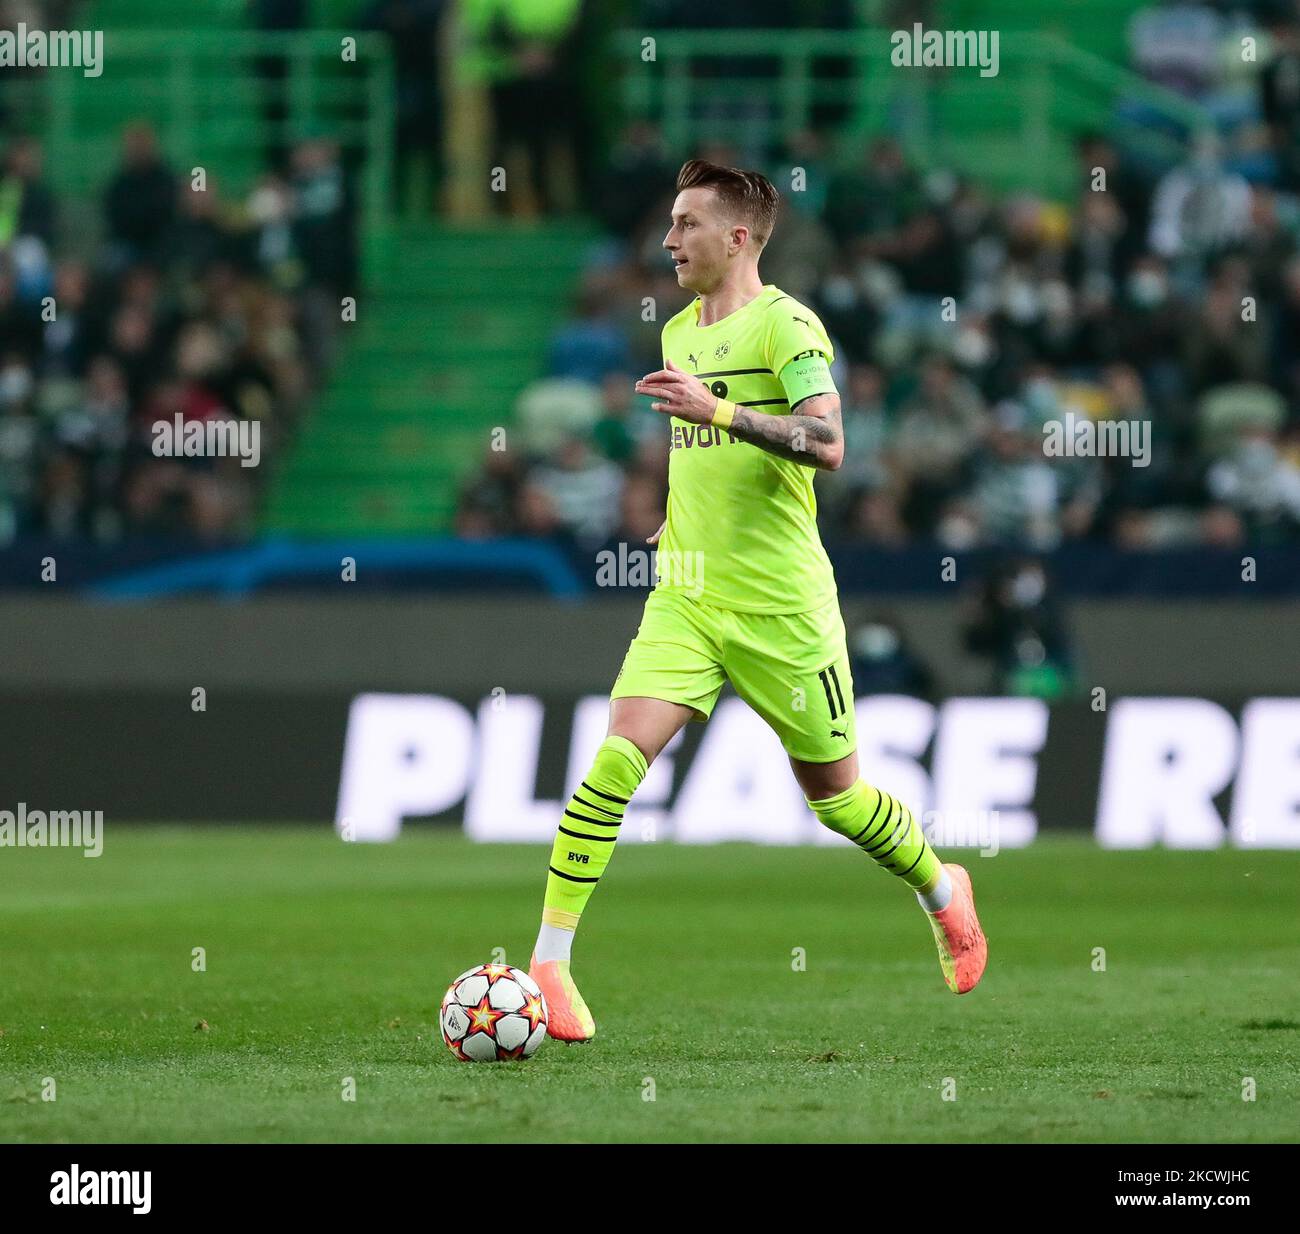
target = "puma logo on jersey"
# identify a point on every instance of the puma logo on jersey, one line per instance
(835, 732)
(805, 320)
(693, 362)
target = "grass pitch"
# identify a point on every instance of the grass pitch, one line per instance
(326, 961)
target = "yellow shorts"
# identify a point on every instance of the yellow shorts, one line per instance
(791, 668)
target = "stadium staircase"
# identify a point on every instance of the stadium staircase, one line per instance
(1076, 92)
(455, 325)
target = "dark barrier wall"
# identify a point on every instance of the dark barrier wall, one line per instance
(1231, 648)
(375, 713)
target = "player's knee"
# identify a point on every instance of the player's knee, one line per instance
(823, 780)
(649, 724)
(840, 811)
(650, 748)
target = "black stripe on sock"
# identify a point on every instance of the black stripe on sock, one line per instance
(902, 839)
(905, 873)
(591, 805)
(582, 818)
(607, 796)
(876, 811)
(582, 835)
(884, 856)
(881, 856)
(892, 804)
(573, 878)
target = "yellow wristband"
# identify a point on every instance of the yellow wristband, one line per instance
(723, 414)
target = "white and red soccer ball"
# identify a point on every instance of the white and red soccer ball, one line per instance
(493, 1013)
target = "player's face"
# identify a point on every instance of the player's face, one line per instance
(699, 239)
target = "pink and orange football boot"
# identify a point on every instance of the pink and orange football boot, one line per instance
(567, 1016)
(963, 950)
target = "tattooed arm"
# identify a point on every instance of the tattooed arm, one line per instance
(811, 434)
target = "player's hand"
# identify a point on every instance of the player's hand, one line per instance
(679, 393)
(654, 539)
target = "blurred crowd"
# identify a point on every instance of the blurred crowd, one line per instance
(1013, 619)
(1168, 298)
(191, 302)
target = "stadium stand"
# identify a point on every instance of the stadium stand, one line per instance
(1125, 304)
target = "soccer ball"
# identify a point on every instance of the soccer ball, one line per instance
(492, 1013)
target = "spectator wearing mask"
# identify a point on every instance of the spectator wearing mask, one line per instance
(882, 662)
(584, 490)
(1018, 626)
(1200, 210)
(939, 429)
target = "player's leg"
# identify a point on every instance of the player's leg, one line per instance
(881, 825)
(795, 673)
(639, 728)
(670, 675)
(887, 831)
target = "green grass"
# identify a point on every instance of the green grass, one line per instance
(327, 960)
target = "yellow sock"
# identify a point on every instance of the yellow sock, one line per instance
(584, 842)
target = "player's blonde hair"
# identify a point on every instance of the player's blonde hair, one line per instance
(748, 196)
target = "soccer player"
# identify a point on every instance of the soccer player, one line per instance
(745, 590)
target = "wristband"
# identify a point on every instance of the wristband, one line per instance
(723, 414)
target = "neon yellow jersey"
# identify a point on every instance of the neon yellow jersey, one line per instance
(742, 523)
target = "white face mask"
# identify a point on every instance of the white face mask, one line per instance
(268, 205)
(1256, 457)
(15, 384)
(1030, 651)
(972, 348)
(1040, 396)
(838, 292)
(1147, 288)
(875, 642)
(1027, 588)
(1022, 303)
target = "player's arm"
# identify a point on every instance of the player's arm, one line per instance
(810, 434)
